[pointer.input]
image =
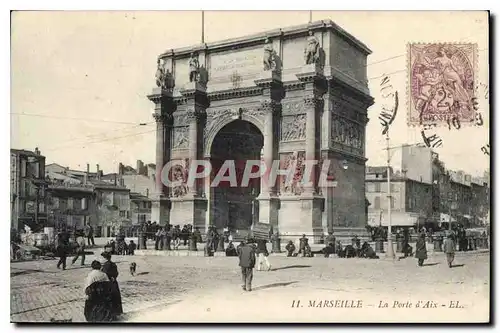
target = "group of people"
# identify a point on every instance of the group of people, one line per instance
(120, 247)
(103, 302)
(449, 248)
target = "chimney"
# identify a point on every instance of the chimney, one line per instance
(86, 177)
(115, 179)
(140, 167)
(98, 172)
(37, 151)
(120, 169)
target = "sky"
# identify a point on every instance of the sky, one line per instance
(81, 78)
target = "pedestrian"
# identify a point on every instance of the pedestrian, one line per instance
(131, 248)
(89, 234)
(246, 254)
(158, 239)
(80, 251)
(290, 249)
(449, 249)
(421, 250)
(303, 243)
(111, 271)
(61, 250)
(263, 253)
(99, 290)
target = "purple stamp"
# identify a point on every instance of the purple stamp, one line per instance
(441, 87)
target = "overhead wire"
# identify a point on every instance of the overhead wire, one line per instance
(212, 80)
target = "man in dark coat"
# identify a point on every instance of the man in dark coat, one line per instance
(421, 250)
(246, 254)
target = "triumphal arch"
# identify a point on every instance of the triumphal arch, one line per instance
(290, 95)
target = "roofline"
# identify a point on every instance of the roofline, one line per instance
(261, 37)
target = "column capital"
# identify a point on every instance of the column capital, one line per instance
(195, 114)
(270, 106)
(165, 118)
(313, 100)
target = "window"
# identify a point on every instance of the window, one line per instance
(393, 202)
(377, 187)
(23, 168)
(394, 188)
(122, 213)
(370, 187)
(41, 208)
(149, 205)
(128, 214)
(70, 203)
(377, 203)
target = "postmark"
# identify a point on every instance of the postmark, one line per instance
(441, 83)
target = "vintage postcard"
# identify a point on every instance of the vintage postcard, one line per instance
(251, 167)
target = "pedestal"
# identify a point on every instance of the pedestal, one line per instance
(311, 214)
(160, 210)
(266, 77)
(268, 210)
(193, 86)
(189, 211)
(311, 69)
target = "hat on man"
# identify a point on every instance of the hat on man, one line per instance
(106, 255)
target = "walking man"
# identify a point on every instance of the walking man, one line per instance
(246, 254)
(263, 262)
(449, 249)
(80, 241)
(89, 234)
(61, 250)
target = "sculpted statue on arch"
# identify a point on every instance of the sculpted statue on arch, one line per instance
(311, 52)
(194, 68)
(164, 79)
(269, 58)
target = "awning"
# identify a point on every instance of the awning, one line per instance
(446, 218)
(398, 219)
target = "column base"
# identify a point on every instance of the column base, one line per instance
(312, 207)
(160, 210)
(268, 209)
(189, 210)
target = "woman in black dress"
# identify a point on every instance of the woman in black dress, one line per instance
(99, 291)
(111, 271)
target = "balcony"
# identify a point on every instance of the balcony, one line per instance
(71, 187)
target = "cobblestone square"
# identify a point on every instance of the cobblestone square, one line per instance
(207, 289)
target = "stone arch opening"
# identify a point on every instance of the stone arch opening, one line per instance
(234, 207)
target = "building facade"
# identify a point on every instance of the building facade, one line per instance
(28, 189)
(140, 208)
(292, 94)
(411, 201)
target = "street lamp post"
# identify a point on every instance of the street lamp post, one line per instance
(390, 250)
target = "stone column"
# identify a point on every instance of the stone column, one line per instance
(270, 82)
(311, 203)
(311, 102)
(193, 146)
(164, 106)
(192, 207)
(160, 153)
(268, 189)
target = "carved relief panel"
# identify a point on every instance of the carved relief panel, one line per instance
(178, 176)
(348, 133)
(181, 137)
(295, 162)
(293, 127)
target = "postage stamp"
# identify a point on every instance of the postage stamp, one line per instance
(441, 85)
